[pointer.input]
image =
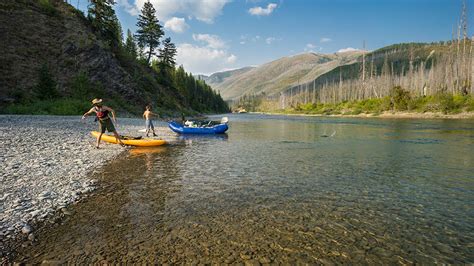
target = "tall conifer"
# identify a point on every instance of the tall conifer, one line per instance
(149, 30)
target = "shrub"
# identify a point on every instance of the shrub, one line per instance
(48, 7)
(46, 87)
(82, 88)
(418, 104)
(305, 107)
(446, 102)
(356, 111)
(370, 105)
(399, 98)
(460, 100)
(385, 104)
(469, 104)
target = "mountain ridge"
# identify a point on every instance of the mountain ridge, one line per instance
(277, 75)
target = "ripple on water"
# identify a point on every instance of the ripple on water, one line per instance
(270, 196)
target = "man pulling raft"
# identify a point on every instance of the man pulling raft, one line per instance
(105, 122)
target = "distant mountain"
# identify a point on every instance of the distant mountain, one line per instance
(219, 77)
(278, 75)
(396, 58)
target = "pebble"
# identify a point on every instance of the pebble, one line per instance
(54, 174)
(78, 252)
(26, 229)
(245, 255)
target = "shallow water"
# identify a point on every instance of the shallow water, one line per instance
(278, 189)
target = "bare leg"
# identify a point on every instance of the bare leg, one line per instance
(117, 138)
(98, 140)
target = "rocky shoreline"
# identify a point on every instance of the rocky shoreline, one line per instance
(47, 162)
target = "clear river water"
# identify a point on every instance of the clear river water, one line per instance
(281, 189)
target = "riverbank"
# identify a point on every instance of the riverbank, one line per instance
(47, 164)
(394, 115)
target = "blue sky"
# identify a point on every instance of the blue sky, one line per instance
(215, 35)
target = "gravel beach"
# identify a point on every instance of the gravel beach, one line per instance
(47, 163)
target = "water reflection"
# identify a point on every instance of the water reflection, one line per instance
(275, 191)
(196, 137)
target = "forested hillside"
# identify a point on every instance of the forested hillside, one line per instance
(411, 76)
(55, 59)
(275, 76)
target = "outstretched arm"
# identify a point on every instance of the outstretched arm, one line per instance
(87, 113)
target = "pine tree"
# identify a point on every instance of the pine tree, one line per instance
(131, 45)
(168, 53)
(149, 30)
(46, 87)
(104, 21)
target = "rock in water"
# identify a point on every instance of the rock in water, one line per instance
(26, 229)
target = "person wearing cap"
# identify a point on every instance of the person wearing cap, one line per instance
(105, 122)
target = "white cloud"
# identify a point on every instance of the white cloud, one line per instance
(242, 42)
(348, 49)
(325, 39)
(212, 41)
(204, 60)
(260, 11)
(175, 24)
(256, 38)
(312, 48)
(269, 40)
(231, 59)
(129, 8)
(203, 10)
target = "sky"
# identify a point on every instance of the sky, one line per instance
(217, 35)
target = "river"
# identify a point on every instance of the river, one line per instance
(280, 189)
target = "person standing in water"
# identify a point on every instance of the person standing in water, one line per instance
(105, 122)
(148, 121)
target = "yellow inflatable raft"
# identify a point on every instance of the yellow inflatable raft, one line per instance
(139, 142)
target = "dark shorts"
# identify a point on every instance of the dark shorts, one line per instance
(106, 124)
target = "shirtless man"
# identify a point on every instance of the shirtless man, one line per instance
(148, 122)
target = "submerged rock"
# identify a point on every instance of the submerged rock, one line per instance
(26, 229)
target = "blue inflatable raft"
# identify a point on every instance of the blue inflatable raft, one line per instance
(181, 129)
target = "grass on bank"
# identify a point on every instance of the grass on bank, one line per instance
(440, 103)
(67, 106)
(50, 107)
